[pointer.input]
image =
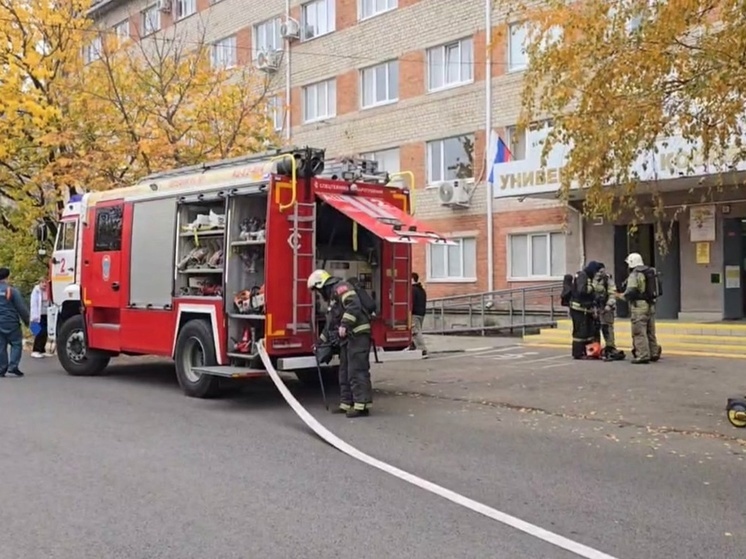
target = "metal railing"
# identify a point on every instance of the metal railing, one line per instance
(507, 310)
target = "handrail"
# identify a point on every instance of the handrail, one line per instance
(293, 178)
(500, 292)
(409, 174)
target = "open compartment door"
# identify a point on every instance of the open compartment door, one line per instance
(383, 219)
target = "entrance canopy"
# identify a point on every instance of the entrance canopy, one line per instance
(383, 219)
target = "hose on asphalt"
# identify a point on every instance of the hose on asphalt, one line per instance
(504, 518)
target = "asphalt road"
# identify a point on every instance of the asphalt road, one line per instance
(125, 466)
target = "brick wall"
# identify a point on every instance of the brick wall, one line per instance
(417, 117)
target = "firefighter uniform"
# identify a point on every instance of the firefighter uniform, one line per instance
(605, 290)
(349, 324)
(582, 310)
(642, 313)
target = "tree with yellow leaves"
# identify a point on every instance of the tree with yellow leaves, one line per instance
(69, 123)
(618, 76)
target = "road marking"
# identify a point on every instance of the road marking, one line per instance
(552, 358)
(504, 518)
(556, 365)
(474, 353)
(485, 348)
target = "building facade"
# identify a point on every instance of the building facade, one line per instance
(404, 82)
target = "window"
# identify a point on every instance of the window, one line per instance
(450, 65)
(108, 233)
(537, 256)
(93, 50)
(185, 8)
(379, 85)
(224, 53)
(151, 20)
(453, 262)
(370, 8)
(267, 36)
(276, 112)
(122, 31)
(516, 142)
(66, 236)
(320, 101)
(450, 159)
(518, 38)
(317, 18)
(388, 160)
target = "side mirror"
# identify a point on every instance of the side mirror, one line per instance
(41, 232)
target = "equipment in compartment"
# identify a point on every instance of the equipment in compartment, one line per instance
(252, 229)
(201, 249)
(250, 301)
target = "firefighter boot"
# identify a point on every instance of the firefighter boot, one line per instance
(358, 410)
(342, 408)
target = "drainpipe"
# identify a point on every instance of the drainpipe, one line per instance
(582, 235)
(488, 130)
(288, 120)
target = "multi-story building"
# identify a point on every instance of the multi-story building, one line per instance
(409, 83)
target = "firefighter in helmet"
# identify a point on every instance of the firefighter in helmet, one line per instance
(348, 327)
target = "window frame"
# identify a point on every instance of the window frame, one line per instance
(460, 239)
(277, 109)
(511, 67)
(153, 8)
(331, 100)
(122, 37)
(389, 64)
(219, 47)
(331, 18)
(443, 48)
(115, 243)
(179, 6)
(361, 16)
(511, 132)
(275, 22)
(547, 233)
(62, 227)
(428, 160)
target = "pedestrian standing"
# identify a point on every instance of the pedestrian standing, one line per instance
(39, 305)
(419, 308)
(13, 311)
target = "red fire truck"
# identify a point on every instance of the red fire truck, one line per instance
(199, 264)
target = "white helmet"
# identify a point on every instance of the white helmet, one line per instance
(317, 279)
(634, 260)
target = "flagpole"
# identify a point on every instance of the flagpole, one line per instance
(488, 135)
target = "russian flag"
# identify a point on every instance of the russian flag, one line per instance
(498, 153)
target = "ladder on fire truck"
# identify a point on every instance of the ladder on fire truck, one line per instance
(302, 240)
(400, 252)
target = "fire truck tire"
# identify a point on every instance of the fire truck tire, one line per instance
(195, 347)
(73, 353)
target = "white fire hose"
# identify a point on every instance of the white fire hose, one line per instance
(540, 533)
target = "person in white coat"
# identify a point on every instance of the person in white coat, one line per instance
(38, 314)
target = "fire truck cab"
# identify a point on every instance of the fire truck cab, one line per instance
(199, 264)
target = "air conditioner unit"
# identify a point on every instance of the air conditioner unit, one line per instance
(164, 6)
(454, 194)
(290, 29)
(268, 61)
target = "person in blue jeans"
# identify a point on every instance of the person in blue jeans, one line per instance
(13, 311)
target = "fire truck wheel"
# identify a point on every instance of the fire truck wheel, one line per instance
(195, 347)
(311, 376)
(73, 353)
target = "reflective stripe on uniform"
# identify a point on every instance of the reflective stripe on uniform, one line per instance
(361, 328)
(349, 317)
(347, 295)
(345, 407)
(360, 407)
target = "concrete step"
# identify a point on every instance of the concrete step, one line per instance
(698, 351)
(625, 336)
(672, 327)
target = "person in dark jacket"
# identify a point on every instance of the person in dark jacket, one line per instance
(13, 311)
(419, 308)
(582, 307)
